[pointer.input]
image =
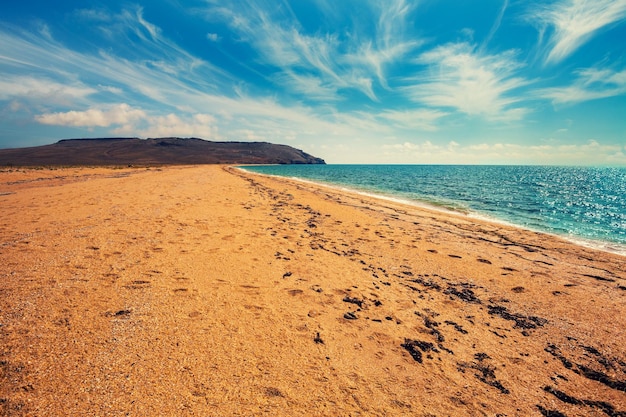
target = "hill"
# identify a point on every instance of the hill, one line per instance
(157, 151)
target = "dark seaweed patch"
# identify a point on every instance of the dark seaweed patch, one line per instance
(416, 347)
(550, 413)
(432, 325)
(413, 350)
(521, 321)
(486, 373)
(353, 300)
(592, 350)
(606, 407)
(464, 294)
(554, 351)
(562, 396)
(601, 377)
(119, 313)
(599, 278)
(427, 283)
(456, 326)
(588, 372)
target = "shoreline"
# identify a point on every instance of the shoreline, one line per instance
(595, 244)
(208, 290)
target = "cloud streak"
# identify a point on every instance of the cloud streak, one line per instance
(322, 65)
(592, 152)
(496, 25)
(117, 115)
(197, 125)
(415, 120)
(590, 84)
(572, 23)
(457, 76)
(175, 95)
(35, 89)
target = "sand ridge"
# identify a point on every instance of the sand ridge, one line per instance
(205, 290)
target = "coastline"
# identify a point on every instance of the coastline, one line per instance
(596, 244)
(210, 290)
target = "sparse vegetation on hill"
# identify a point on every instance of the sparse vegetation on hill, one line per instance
(159, 151)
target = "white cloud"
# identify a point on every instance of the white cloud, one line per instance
(310, 86)
(590, 84)
(163, 65)
(421, 119)
(496, 24)
(111, 89)
(213, 37)
(390, 43)
(322, 65)
(172, 125)
(15, 106)
(574, 22)
(474, 83)
(592, 152)
(303, 57)
(93, 15)
(251, 135)
(126, 120)
(31, 88)
(94, 117)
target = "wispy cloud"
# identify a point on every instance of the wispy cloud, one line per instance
(197, 125)
(416, 120)
(150, 67)
(93, 15)
(172, 92)
(496, 25)
(590, 84)
(567, 24)
(462, 78)
(120, 114)
(310, 86)
(593, 152)
(125, 120)
(41, 89)
(390, 37)
(324, 62)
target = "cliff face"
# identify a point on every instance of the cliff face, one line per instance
(159, 151)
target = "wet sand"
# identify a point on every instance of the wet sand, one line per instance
(204, 290)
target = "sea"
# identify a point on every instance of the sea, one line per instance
(586, 205)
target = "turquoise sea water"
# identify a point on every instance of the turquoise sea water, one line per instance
(587, 205)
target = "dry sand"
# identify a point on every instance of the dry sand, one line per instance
(207, 291)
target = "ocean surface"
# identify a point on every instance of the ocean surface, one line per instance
(583, 204)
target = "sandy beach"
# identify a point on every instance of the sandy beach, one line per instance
(209, 291)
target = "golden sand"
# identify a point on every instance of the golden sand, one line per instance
(208, 291)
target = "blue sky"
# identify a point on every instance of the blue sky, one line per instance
(351, 81)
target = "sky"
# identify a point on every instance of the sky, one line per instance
(350, 81)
